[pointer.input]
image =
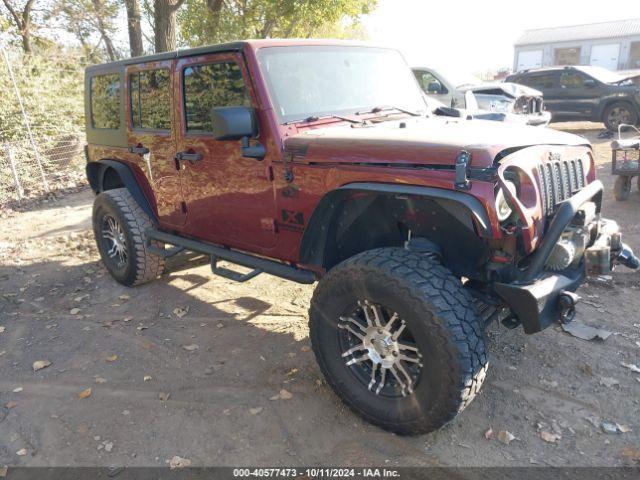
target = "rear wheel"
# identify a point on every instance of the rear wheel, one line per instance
(119, 226)
(397, 337)
(622, 188)
(617, 114)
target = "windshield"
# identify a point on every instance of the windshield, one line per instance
(602, 74)
(311, 81)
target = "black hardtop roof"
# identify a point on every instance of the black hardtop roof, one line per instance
(188, 52)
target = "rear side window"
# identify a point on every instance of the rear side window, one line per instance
(540, 81)
(151, 99)
(213, 85)
(105, 101)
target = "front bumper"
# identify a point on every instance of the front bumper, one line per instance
(538, 297)
(541, 119)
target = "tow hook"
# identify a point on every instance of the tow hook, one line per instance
(567, 306)
(627, 258)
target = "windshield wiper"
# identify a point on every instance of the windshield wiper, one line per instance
(389, 107)
(315, 118)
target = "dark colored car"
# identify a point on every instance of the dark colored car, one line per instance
(585, 93)
(318, 161)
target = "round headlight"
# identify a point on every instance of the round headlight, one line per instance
(503, 210)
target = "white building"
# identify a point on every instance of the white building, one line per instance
(613, 45)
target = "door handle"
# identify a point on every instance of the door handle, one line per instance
(140, 150)
(191, 157)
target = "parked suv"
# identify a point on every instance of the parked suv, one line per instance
(586, 93)
(315, 161)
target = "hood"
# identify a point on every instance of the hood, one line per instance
(428, 141)
(513, 90)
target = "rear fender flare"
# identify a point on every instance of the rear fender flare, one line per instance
(316, 235)
(96, 175)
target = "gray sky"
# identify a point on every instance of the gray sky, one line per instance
(475, 36)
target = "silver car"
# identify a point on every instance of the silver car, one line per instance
(505, 100)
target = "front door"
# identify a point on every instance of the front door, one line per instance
(230, 199)
(151, 136)
(579, 99)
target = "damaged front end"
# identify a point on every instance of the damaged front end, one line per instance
(511, 99)
(557, 234)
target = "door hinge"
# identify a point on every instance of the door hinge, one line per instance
(462, 168)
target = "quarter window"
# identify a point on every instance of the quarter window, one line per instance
(105, 101)
(213, 85)
(151, 99)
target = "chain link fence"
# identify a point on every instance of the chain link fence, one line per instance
(32, 169)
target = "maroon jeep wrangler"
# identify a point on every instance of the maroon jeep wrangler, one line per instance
(320, 161)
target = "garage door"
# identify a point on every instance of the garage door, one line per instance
(530, 59)
(605, 55)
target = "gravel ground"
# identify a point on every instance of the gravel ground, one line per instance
(188, 365)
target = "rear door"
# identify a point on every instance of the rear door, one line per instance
(548, 83)
(230, 199)
(151, 136)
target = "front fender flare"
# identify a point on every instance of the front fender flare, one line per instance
(316, 234)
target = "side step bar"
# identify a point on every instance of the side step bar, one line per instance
(258, 264)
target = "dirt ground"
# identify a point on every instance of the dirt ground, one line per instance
(188, 366)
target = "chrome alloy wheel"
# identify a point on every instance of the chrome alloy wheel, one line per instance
(380, 350)
(114, 240)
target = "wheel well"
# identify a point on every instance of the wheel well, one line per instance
(111, 179)
(109, 174)
(363, 221)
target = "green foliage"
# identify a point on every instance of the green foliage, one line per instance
(51, 86)
(240, 19)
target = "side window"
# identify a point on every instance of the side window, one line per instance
(540, 82)
(571, 80)
(105, 101)
(213, 85)
(151, 99)
(427, 79)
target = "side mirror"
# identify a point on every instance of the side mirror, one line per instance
(589, 82)
(434, 87)
(237, 123)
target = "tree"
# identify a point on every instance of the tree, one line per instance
(214, 21)
(134, 27)
(91, 21)
(164, 24)
(21, 17)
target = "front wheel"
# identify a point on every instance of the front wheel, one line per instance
(397, 337)
(622, 188)
(617, 114)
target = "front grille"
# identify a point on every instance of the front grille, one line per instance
(559, 180)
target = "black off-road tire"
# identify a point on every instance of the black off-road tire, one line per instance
(141, 266)
(622, 188)
(442, 318)
(631, 113)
